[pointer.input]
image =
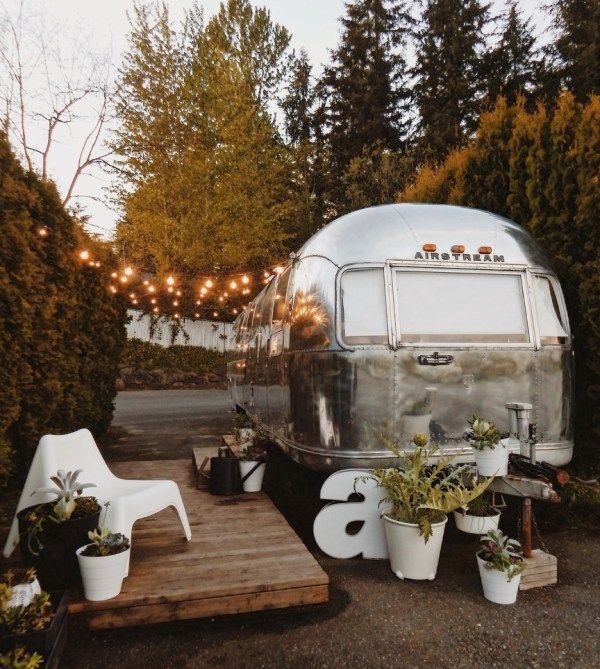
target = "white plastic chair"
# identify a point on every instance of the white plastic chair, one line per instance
(129, 500)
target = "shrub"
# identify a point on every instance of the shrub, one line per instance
(141, 354)
(61, 331)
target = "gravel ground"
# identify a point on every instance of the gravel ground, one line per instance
(373, 619)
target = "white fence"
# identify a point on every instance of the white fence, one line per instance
(209, 334)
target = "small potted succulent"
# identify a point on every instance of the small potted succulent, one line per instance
(500, 566)
(421, 496)
(51, 532)
(252, 468)
(491, 454)
(103, 564)
(30, 619)
(19, 658)
(479, 517)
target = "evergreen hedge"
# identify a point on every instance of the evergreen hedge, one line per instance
(542, 170)
(61, 331)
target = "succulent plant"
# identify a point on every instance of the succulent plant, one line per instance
(501, 553)
(105, 542)
(36, 616)
(483, 434)
(65, 491)
(19, 658)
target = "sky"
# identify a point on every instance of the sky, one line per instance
(103, 24)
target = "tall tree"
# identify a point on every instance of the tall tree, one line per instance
(577, 46)
(204, 175)
(512, 67)
(449, 71)
(364, 88)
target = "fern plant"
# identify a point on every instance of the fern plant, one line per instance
(421, 494)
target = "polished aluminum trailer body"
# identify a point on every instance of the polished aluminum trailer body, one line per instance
(383, 325)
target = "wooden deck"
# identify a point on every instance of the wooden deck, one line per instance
(243, 557)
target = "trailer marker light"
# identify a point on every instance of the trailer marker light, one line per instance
(429, 247)
(485, 249)
(458, 248)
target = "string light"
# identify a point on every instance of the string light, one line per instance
(203, 291)
(128, 271)
(42, 231)
(178, 293)
(151, 289)
(153, 300)
(209, 283)
(233, 285)
(84, 255)
(170, 289)
(132, 296)
(97, 263)
(124, 279)
(278, 269)
(155, 310)
(114, 275)
(245, 279)
(175, 303)
(197, 315)
(198, 303)
(113, 289)
(146, 282)
(170, 281)
(176, 316)
(215, 314)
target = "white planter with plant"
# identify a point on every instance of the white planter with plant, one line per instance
(252, 469)
(421, 496)
(491, 454)
(500, 566)
(479, 517)
(102, 564)
(416, 420)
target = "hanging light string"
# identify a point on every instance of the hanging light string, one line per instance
(179, 297)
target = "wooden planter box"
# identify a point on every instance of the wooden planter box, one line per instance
(49, 642)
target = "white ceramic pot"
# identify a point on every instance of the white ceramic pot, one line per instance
(102, 576)
(23, 593)
(492, 461)
(412, 425)
(470, 524)
(254, 482)
(410, 556)
(496, 586)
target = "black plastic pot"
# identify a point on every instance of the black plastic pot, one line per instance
(56, 564)
(49, 642)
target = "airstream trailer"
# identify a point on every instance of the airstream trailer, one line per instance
(405, 319)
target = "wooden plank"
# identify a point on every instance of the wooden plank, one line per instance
(230, 442)
(205, 608)
(243, 557)
(540, 569)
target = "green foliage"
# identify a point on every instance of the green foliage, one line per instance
(483, 434)
(213, 190)
(65, 491)
(482, 506)
(423, 494)
(541, 169)
(19, 658)
(37, 615)
(105, 543)
(501, 553)
(61, 331)
(141, 354)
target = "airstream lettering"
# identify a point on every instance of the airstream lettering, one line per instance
(362, 335)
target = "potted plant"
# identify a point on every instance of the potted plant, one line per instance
(51, 532)
(252, 468)
(245, 434)
(19, 658)
(420, 496)
(103, 564)
(491, 455)
(479, 517)
(417, 418)
(500, 566)
(36, 624)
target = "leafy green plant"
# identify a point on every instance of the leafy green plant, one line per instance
(481, 506)
(423, 494)
(483, 434)
(66, 489)
(37, 615)
(105, 542)
(19, 658)
(501, 553)
(420, 408)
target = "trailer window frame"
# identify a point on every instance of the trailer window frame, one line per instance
(562, 309)
(395, 267)
(339, 310)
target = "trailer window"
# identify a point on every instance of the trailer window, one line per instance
(364, 319)
(461, 307)
(552, 329)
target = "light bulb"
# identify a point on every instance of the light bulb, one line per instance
(245, 279)
(124, 279)
(128, 271)
(233, 285)
(209, 283)
(151, 289)
(170, 281)
(84, 255)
